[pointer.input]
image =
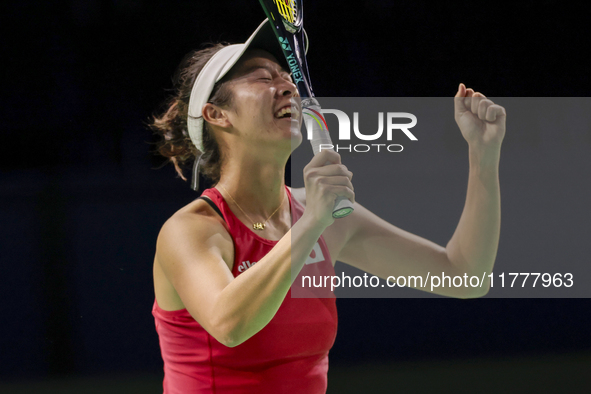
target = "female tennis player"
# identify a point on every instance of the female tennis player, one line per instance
(223, 267)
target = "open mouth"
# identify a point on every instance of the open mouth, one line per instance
(283, 113)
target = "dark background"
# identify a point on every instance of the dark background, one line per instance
(82, 201)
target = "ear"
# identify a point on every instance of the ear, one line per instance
(215, 116)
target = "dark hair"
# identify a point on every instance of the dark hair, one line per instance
(171, 124)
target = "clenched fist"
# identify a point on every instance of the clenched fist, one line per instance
(325, 179)
(481, 121)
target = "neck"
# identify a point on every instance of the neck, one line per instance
(257, 187)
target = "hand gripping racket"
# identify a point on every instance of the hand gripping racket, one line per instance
(287, 18)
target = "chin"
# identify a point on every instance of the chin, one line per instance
(295, 134)
(296, 140)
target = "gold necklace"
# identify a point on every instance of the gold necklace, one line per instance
(255, 225)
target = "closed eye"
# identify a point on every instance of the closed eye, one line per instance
(262, 75)
(287, 77)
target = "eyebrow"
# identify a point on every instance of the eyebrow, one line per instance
(268, 68)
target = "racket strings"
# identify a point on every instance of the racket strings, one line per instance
(287, 9)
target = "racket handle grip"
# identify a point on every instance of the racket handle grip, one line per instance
(343, 207)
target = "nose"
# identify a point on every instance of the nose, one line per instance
(287, 88)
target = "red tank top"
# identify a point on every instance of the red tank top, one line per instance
(289, 355)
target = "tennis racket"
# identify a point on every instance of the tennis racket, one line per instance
(287, 18)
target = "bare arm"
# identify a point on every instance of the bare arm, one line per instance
(473, 247)
(384, 250)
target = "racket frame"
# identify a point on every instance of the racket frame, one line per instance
(291, 38)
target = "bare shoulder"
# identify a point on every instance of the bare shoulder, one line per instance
(194, 222)
(193, 245)
(191, 234)
(199, 212)
(194, 259)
